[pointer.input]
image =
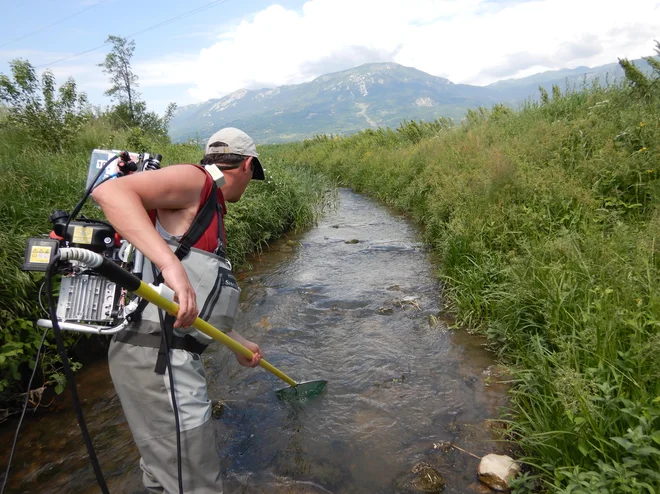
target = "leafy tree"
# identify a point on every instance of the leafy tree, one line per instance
(52, 116)
(117, 65)
(130, 110)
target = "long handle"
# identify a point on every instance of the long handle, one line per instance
(134, 284)
(148, 293)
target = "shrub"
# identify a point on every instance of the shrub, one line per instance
(48, 116)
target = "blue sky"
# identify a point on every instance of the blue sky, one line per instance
(94, 20)
(233, 44)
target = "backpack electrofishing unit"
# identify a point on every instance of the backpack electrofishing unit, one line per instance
(88, 302)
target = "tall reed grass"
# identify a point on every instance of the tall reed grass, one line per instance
(547, 222)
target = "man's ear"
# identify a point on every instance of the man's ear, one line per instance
(247, 164)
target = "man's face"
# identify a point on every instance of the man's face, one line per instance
(237, 180)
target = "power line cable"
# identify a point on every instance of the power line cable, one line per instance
(137, 33)
(169, 21)
(51, 25)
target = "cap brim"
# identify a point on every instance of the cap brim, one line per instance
(258, 173)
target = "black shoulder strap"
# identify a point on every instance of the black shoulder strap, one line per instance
(199, 225)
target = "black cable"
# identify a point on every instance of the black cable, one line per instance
(81, 203)
(27, 400)
(176, 409)
(69, 376)
(172, 392)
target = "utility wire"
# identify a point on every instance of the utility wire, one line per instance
(137, 33)
(53, 24)
(186, 14)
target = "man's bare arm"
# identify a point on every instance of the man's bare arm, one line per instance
(125, 201)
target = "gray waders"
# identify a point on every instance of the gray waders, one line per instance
(145, 394)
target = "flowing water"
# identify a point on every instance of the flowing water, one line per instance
(352, 301)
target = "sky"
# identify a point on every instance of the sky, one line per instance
(189, 52)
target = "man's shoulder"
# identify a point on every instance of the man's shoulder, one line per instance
(196, 172)
(185, 166)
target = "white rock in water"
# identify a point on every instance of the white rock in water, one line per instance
(497, 470)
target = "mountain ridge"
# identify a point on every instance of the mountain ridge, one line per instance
(380, 94)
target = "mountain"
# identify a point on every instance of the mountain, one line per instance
(371, 95)
(514, 90)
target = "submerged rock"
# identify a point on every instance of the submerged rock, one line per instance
(497, 470)
(217, 409)
(479, 488)
(428, 478)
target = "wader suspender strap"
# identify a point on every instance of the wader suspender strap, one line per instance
(199, 225)
(166, 334)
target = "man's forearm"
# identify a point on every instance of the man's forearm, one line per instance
(237, 337)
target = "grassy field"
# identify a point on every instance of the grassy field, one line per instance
(35, 181)
(547, 224)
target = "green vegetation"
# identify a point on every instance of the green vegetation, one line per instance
(36, 108)
(43, 166)
(547, 221)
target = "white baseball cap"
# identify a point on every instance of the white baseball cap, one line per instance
(231, 140)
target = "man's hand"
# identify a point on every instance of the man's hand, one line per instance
(176, 278)
(253, 347)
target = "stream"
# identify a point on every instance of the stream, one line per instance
(354, 301)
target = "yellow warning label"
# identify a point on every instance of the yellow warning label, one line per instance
(82, 234)
(40, 254)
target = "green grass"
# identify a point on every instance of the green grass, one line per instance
(34, 182)
(547, 224)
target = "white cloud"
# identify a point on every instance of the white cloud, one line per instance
(169, 70)
(469, 41)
